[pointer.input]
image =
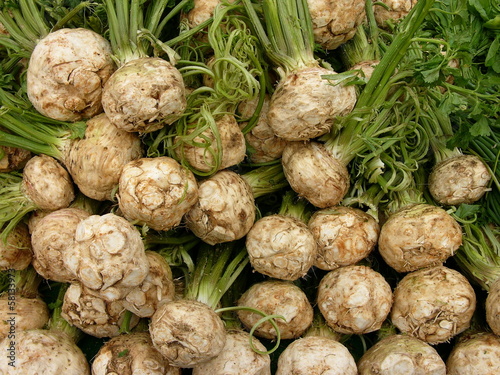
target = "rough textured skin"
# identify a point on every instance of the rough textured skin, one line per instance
(345, 235)
(232, 141)
(433, 304)
(401, 354)
(202, 10)
(13, 159)
(281, 247)
(144, 94)
(493, 307)
(398, 9)
(367, 67)
(107, 255)
(418, 236)
(96, 161)
(304, 105)
(354, 299)
(335, 22)
(17, 252)
(156, 192)
(225, 210)
(131, 354)
(187, 332)
(88, 311)
(52, 236)
(47, 184)
(316, 355)
(314, 174)
(237, 358)
(44, 352)
(460, 179)
(157, 288)
(66, 73)
(264, 145)
(477, 354)
(276, 297)
(31, 313)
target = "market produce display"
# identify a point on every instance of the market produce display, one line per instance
(249, 187)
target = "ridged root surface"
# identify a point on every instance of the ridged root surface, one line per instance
(304, 105)
(66, 73)
(315, 174)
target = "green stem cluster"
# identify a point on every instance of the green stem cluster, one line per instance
(237, 75)
(266, 179)
(57, 323)
(286, 33)
(27, 22)
(133, 30)
(14, 204)
(371, 128)
(217, 268)
(479, 255)
(34, 132)
(295, 207)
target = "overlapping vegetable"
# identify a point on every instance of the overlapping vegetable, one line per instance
(263, 215)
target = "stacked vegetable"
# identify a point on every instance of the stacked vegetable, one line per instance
(250, 186)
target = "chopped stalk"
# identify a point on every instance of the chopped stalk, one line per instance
(174, 322)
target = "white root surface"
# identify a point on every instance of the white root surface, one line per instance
(304, 105)
(263, 144)
(345, 235)
(96, 161)
(202, 11)
(156, 192)
(144, 94)
(13, 158)
(43, 352)
(107, 255)
(130, 354)
(47, 184)
(187, 332)
(316, 355)
(157, 288)
(276, 297)
(237, 357)
(354, 299)
(87, 310)
(314, 174)
(366, 67)
(225, 210)
(281, 247)
(66, 73)
(30, 313)
(335, 22)
(232, 147)
(459, 179)
(401, 354)
(16, 253)
(51, 237)
(418, 236)
(477, 354)
(433, 304)
(493, 307)
(398, 9)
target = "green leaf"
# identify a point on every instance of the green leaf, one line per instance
(481, 128)
(493, 56)
(467, 211)
(482, 7)
(431, 75)
(453, 102)
(189, 6)
(493, 24)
